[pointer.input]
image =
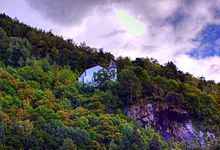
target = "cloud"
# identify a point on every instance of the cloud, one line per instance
(113, 33)
(24, 13)
(63, 12)
(67, 12)
(207, 67)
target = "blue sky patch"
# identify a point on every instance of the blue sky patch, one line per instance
(209, 42)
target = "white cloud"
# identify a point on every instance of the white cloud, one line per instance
(208, 67)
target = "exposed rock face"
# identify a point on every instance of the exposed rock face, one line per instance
(169, 121)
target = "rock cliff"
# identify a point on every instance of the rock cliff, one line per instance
(171, 122)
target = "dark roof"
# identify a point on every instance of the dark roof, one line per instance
(112, 64)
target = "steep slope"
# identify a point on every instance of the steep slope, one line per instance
(42, 106)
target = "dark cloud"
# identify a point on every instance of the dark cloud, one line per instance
(127, 45)
(114, 32)
(148, 47)
(66, 12)
(176, 18)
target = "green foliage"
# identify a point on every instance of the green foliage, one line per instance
(4, 43)
(100, 77)
(43, 107)
(111, 101)
(68, 144)
(18, 52)
(131, 86)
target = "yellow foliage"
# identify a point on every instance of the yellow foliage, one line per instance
(107, 128)
(8, 77)
(65, 117)
(5, 116)
(94, 145)
(26, 95)
(79, 111)
(49, 101)
(26, 126)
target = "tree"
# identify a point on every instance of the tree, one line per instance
(130, 86)
(170, 70)
(102, 76)
(18, 52)
(68, 144)
(111, 101)
(123, 62)
(4, 43)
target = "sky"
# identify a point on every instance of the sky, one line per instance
(186, 32)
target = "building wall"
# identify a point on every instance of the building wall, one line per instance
(87, 75)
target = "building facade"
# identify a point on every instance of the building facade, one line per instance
(87, 77)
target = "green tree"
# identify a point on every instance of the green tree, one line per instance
(130, 86)
(102, 76)
(68, 144)
(4, 43)
(18, 52)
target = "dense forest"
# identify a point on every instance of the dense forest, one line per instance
(42, 105)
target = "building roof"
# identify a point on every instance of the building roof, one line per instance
(95, 68)
(112, 64)
(90, 71)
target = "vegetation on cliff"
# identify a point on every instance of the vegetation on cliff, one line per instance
(42, 106)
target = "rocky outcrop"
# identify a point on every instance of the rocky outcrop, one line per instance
(169, 121)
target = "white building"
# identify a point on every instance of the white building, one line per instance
(87, 76)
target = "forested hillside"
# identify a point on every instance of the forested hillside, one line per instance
(42, 106)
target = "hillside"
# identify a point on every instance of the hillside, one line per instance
(150, 106)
